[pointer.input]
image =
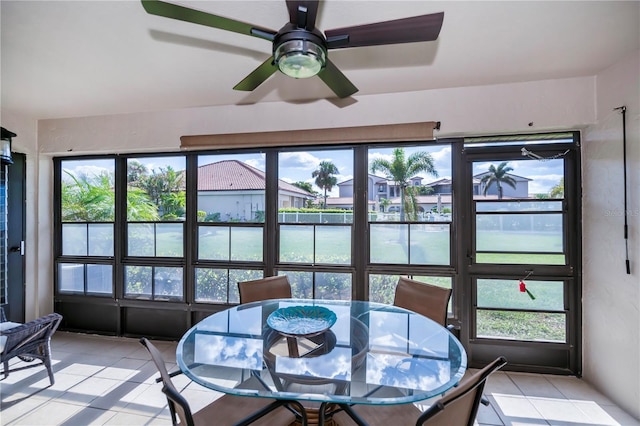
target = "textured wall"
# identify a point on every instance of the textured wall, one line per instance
(611, 314)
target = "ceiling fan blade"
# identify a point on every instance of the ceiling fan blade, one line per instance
(405, 30)
(174, 11)
(257, 76)
(305, 17)
(337, 81)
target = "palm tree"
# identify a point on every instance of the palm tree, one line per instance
(88, 199)
(498, 175)
(401, 170)
(324, 177)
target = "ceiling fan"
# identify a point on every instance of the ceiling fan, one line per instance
(299, 48)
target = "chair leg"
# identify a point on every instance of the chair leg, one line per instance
(484, 401)
(45, 351)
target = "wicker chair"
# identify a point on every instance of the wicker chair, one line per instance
(29, 341)
(277, 287)
(458, 407)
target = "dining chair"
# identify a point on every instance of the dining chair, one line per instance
(228, 409)
(276, 287)
(458, 407)
(426, 299)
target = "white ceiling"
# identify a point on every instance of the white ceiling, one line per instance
(83, 58)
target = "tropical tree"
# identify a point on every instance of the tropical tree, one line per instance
(498, 175)
(305, 185)
(325, 178)
(401, 170)
(164, 187)
(384, 203)
(557, 191)
(135, 171)
(88, 199)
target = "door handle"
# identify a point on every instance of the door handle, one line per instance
(18, 249)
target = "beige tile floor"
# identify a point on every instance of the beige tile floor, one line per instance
(110, 381)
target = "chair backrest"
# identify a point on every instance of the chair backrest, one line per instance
(277, 287)
(178, 405)
(460, 406)
(426, 299)
(29, 336)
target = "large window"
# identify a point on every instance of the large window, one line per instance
(156, 213)
(315, 222)
(87, 206)
(410, 189)
(231, 200)
(161, 240)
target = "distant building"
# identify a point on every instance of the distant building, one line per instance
(236, 191)
(379, 188)
(520, 191)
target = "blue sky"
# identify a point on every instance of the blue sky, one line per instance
(297, 166)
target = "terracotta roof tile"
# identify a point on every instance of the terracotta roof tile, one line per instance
(234, 175)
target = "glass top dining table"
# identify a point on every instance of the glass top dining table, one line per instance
(327, 351)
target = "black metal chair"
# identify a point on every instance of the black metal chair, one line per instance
(230, 409)
(29, 342)
(458, 407)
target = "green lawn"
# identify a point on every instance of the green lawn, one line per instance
(423, 245)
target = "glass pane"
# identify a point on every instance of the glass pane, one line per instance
(430, 244)
(333, 286)
(536, 326)
(87, 191)
(138, 281)
(333, 245)
(71, 277)
(519, 206)
(521, 258)
(237, 275)
(231, 188)
(100, 279)
(100, 239)
(211, 285)
(168, 283)
(296, 243)
(410, 183)
(169, 238)
(519, 233)
(156, 189)
(74, 239)
(495, 293)
(389, 243)
(213, 242)
(246, 244)
(141, 239)
(301, 283)
(382, 288)
(315, 186)
(521, 179)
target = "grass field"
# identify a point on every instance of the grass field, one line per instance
(419, 244)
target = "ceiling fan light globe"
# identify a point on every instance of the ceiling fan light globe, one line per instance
(300, 58)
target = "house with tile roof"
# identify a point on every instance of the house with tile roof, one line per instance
(236, 191)
(439, 199)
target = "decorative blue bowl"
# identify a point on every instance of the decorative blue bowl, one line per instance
(301, 320)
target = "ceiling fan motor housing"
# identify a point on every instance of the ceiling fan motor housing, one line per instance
(298, 52)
